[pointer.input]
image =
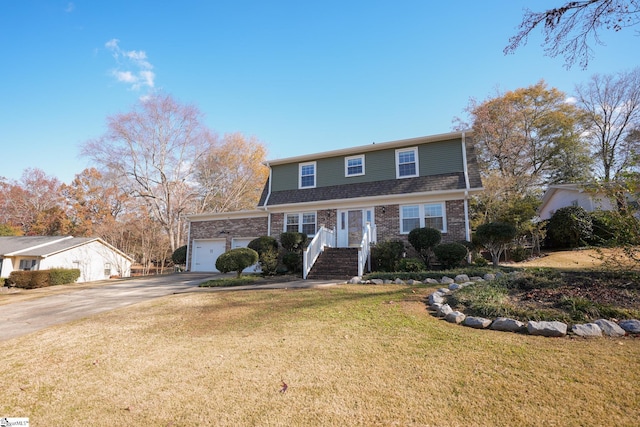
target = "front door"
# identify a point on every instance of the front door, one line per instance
(351, 223)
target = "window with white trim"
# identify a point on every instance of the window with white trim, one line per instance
(301, 223)
(27, 264)
(430, 215)
(407, 162)
(354, 165)
(307, 175)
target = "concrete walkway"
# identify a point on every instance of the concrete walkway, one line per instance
(21, 318)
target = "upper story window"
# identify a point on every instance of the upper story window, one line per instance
(407, 162)
(354, 166)
(430, 215)
(307, 175)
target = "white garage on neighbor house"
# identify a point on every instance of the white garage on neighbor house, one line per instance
(95, 258)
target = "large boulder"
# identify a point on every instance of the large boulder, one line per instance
(476, 322)
(455, 317)
(444, 310)
(547, 329)
(461, 278)
(588, 330)
(631, 326)
(446, 280)
(507, 325)
(609, 328)
(436, 297)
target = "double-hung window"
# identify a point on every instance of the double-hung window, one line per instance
(27, 264)
(354, 165)
(301, 223)
(407, 162)
(430, 215)
(307, 175)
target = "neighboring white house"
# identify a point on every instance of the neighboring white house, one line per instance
(95, 258)
(563, 195)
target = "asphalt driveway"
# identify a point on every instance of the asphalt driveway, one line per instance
(22, 318)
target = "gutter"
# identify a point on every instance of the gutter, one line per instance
(467, 227)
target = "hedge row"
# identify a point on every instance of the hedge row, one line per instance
(42, 278)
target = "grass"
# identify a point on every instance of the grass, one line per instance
(231, 281)
(350, 355)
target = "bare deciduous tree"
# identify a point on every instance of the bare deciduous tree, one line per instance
(612, 106)
(155, 149)
(568, 28)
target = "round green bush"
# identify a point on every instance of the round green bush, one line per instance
(450, 255)
(179, 256)
(263, 244)
(236, 260)
(519, 254)
(570, 227)
(424, 240)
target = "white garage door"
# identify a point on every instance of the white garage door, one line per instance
(205, 254)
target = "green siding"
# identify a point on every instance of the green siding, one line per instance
(434, 158)
(440, 157)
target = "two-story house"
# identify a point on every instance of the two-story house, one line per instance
(373, 192)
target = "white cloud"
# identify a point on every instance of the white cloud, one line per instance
(132, 67)
(571, 100)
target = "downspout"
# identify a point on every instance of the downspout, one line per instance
(467, 225)
(188, 266)
(266, 199)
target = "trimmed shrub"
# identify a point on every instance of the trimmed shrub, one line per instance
(267, 248)
(63, 276)
(386, 255)
(519, 254)
(293, 261)
(570, 227)
(236, 260)
(610, 228)
(179, 256)
(411, 264)
(424, 240)
(42, 278)
(450, 255)
(293, 241)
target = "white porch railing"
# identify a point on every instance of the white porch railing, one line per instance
(364, 251)
(324, 237)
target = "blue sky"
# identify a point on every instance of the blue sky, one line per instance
(302, 77)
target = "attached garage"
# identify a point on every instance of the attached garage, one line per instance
(205, 254)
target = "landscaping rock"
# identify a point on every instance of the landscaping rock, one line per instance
(609, 328)
(489, 276)
(355, 280)
(431, 281)
(588, 330)
(454, 286)
(476, 279)
(444, 310)
(377, 281)
(631, 326)
(461, 278)
(447, 280)
(547, 329)
(436, 297)
(387, 281)
(505, 324)
(435, 306)
(477, 322)
(455, 317)
(398, 281)
(444, 291)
